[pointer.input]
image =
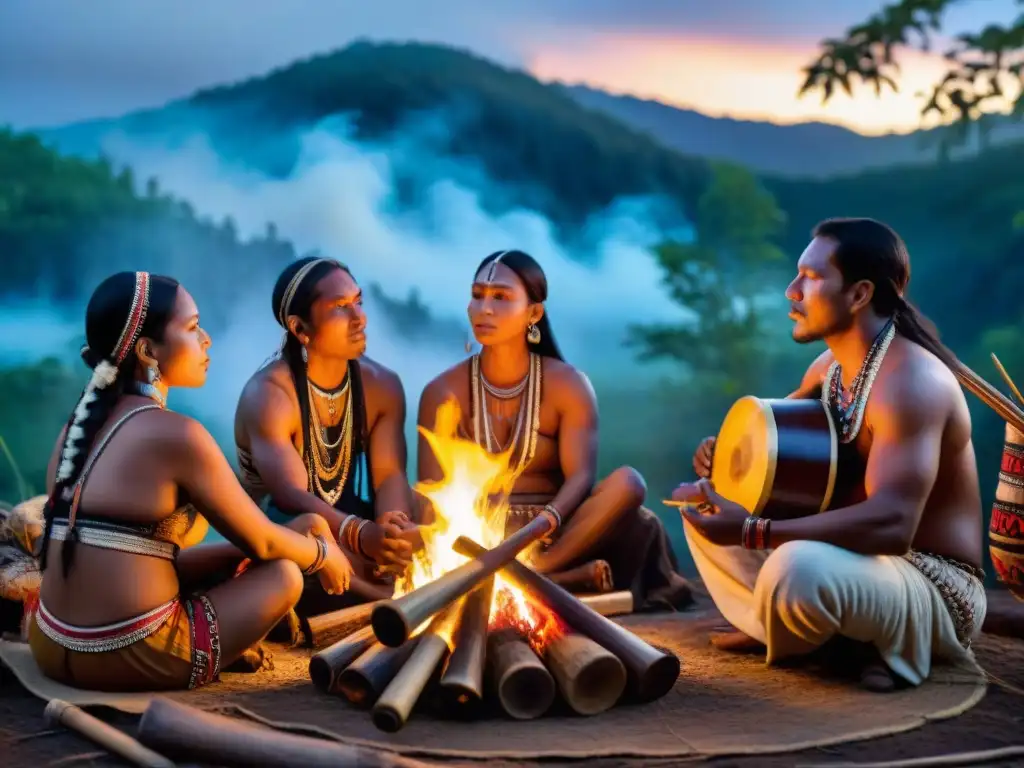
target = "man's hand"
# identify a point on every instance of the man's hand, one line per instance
(384, 543)
(703, 457)
(409, 531)
(723, 525)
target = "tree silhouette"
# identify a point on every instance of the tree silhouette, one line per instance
(985, 67)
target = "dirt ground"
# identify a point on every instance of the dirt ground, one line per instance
(26, 740)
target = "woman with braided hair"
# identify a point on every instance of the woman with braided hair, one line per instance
(320, 429)
(126, 479)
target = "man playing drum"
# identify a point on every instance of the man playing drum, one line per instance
(893, 568)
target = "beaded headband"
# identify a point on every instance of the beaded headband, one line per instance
(293, 286)
(136, 318)
(104, 375)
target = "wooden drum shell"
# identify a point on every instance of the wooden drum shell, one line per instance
(1006, 527)
(777, 458)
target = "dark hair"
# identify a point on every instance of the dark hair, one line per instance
(535, 281)
(870, 250)
(294, 294)
(111, 329)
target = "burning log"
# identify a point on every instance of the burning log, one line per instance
(326, 666)
(609, 603)
(463, 679)
(395, 620)
(590, 677)
(362, 681)
(392, 709)
(651, 672)
(523, 684)
(328, 628)
(192, 736)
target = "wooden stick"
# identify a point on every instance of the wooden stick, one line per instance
(590, 677)
(395, 620)
(203, 737)
(991, 397)
(326, 665)
(609, 603)
(60, 712)
(652, 672)
(1007, 379)
(327, 628)
(392, 709)
(524, 686)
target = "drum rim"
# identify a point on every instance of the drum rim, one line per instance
(766, 406)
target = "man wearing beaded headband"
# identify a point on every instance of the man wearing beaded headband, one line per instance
(320, 429)
(893, 569)
(520, 395)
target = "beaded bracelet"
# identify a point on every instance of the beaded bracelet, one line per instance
(357, 537)
(550, 509)
(345, 533)
(756, 533)
(321, 555)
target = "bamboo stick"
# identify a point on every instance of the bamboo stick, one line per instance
(395, 620)
(326, 666)
(652, 672)
(60, 712)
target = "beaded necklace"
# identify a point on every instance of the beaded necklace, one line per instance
(848, 406)
(324, 470)
(523, 437)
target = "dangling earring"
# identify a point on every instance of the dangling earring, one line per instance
(305, 356)
(533, 334)
(153, 374)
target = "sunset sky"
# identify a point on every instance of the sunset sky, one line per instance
(64, 60)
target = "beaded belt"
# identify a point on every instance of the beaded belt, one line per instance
(956, 582)
(120, 538)
(106, 638)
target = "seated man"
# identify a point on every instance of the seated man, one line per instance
(894, 567)
(320, 429)
(519, 394)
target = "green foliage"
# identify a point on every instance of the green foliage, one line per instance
(35, 401)
(71, 222)
(985, 68)
(717, 277)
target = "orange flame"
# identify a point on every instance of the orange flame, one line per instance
(470, 500)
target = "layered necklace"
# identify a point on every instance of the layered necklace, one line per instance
(522, 439)
(849, 405)
(324, 470)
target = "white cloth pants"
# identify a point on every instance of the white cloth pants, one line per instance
(796, 597)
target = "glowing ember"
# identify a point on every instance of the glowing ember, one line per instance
(511, 609)
(471, 500)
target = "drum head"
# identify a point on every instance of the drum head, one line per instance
(745, 454)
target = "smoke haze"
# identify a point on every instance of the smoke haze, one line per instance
(342, 199)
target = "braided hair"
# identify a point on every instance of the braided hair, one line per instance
(294, 294)
(124, 308)
(535, 282)
(870, 250)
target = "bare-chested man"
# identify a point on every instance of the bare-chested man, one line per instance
(321, 429)
(893, 569)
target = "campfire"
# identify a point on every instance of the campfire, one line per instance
(469, 627)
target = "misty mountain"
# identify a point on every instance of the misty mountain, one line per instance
(811, 149)
(541, 149)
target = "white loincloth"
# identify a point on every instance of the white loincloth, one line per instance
(796, 597)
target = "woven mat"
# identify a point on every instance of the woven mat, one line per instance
(722, 704)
